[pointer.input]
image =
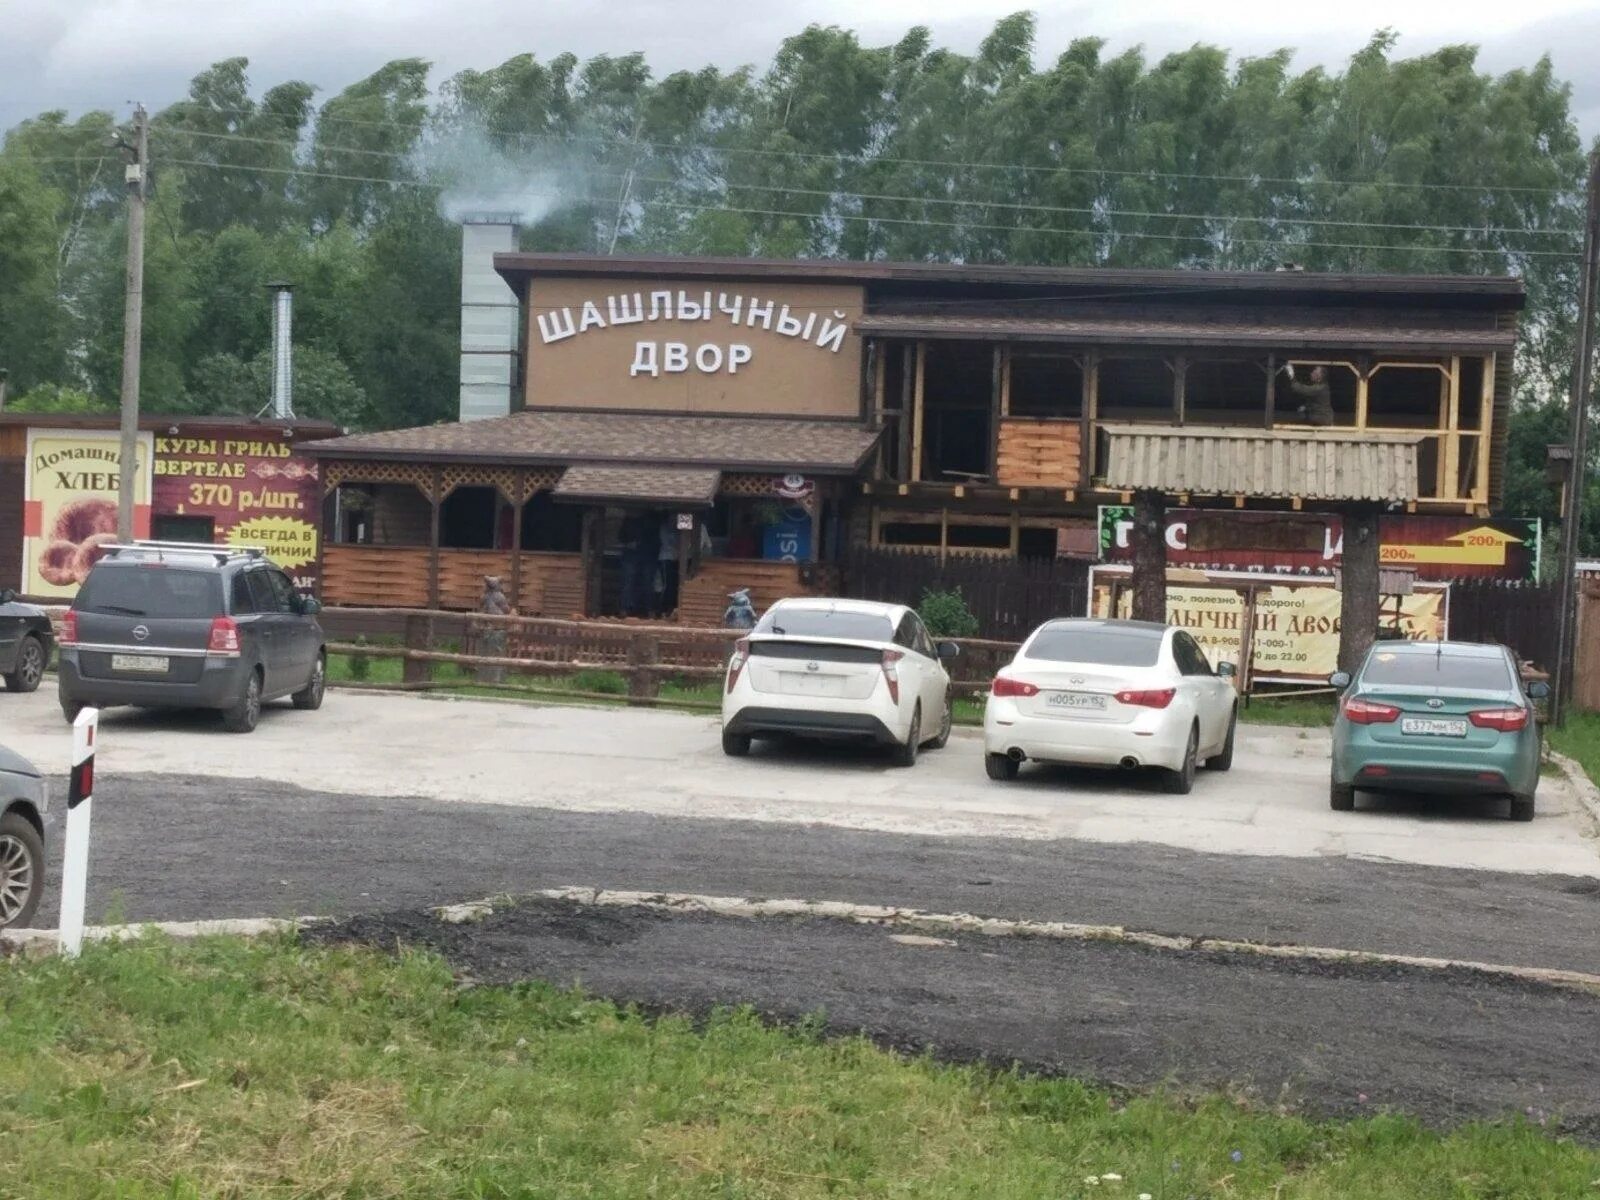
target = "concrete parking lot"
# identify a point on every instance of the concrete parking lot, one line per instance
(1273, 802)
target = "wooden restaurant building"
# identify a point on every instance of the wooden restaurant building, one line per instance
(645, 435)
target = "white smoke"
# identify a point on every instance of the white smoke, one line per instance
(483, 176)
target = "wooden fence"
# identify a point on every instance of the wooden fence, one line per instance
(645, 655)
(1510, 612)
(1009, 596)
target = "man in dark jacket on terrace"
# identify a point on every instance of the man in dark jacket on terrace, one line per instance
(1316, 394)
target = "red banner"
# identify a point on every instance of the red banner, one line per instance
(240, 488)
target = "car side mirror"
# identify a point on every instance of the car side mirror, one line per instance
(310, 606)
(1339, 679)
(948, 649)
(7, 595)
(1538, 690)
(1227, 670)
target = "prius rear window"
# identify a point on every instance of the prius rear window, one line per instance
(1099, 645)
(822, 622)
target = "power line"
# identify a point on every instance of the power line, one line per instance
(865, 160)
(1284, 243)
(1091, 211)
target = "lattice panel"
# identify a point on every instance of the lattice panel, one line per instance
(503, 479)
(539, 480)
(419, 475)
(749, 485)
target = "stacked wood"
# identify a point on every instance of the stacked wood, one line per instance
(1038, 453)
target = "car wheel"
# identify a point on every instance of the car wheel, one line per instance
(1179, 782)
(1522, 808)
(30, 666)
(946, 720)
(310, 696)
(735, 745)
(1341, 797)
(1000, 766)
(1223, 759)
(242, 717)
(905, 754)
(21, 870)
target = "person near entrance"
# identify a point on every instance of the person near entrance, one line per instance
(667, 566)
(1316, 394)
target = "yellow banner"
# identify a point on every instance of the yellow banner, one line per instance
(70, 511)
(1296, 628)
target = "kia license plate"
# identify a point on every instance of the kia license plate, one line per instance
(1433, 726)
(143, 664)
(1093, 701)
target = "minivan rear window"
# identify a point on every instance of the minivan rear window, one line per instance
(828, 623)
(1099, 645)
(1438, 670)
(150, 591)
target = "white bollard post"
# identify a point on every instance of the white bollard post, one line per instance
(80, 802)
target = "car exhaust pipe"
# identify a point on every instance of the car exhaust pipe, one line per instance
(1129, 762)
(1015, 755)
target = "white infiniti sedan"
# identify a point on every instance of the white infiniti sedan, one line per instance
(852, 670)
(1111, 693)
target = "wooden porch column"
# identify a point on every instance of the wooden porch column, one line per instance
(1272, 387)
(435, 502)
(902, 428)
(593, 553)
(1452, 440)
(997, 410)
(916, 412)
(1480, 491)
(1363, 375)
(1180, 385)
(520, 484)
(1091, 416)
(879, 371)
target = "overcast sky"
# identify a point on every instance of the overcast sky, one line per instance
(79, 54)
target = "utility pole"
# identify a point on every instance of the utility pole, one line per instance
(1572, 501)
(133, 321)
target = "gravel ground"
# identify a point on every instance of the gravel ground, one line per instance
(1323, 1039)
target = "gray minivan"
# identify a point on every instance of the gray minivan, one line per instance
(175, 625)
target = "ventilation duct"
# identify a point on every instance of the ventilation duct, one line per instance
(489, 316)
(282, 350)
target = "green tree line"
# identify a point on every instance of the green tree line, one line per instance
(835, 148)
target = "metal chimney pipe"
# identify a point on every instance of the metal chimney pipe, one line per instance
(282, 350)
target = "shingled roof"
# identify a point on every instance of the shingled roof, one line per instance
(544, 438)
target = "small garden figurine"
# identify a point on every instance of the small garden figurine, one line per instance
(740, 613)
(492, 642)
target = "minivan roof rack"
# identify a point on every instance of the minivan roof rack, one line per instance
(221, 553)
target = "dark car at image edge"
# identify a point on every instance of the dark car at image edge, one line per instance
(25, 641)
(180, 625)
(24, 797)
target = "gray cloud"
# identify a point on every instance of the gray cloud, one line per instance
(79, 54)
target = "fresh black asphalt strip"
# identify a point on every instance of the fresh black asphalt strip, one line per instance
(1321, 1038)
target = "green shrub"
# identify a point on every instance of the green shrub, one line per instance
(608, 682)
(946, 614)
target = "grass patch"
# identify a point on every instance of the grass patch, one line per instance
(1579, 739)
(1302, 711)
(266, 1068)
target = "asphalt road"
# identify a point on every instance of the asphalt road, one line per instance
(180, 847)
(1327, 1040)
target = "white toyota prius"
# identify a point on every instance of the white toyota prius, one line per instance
(1111, 693)
(850, 670)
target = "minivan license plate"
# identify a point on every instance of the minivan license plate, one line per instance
(1433, 727)
(1091, 700)
(147, 664)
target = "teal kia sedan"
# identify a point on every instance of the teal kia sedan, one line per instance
(1442, 718)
